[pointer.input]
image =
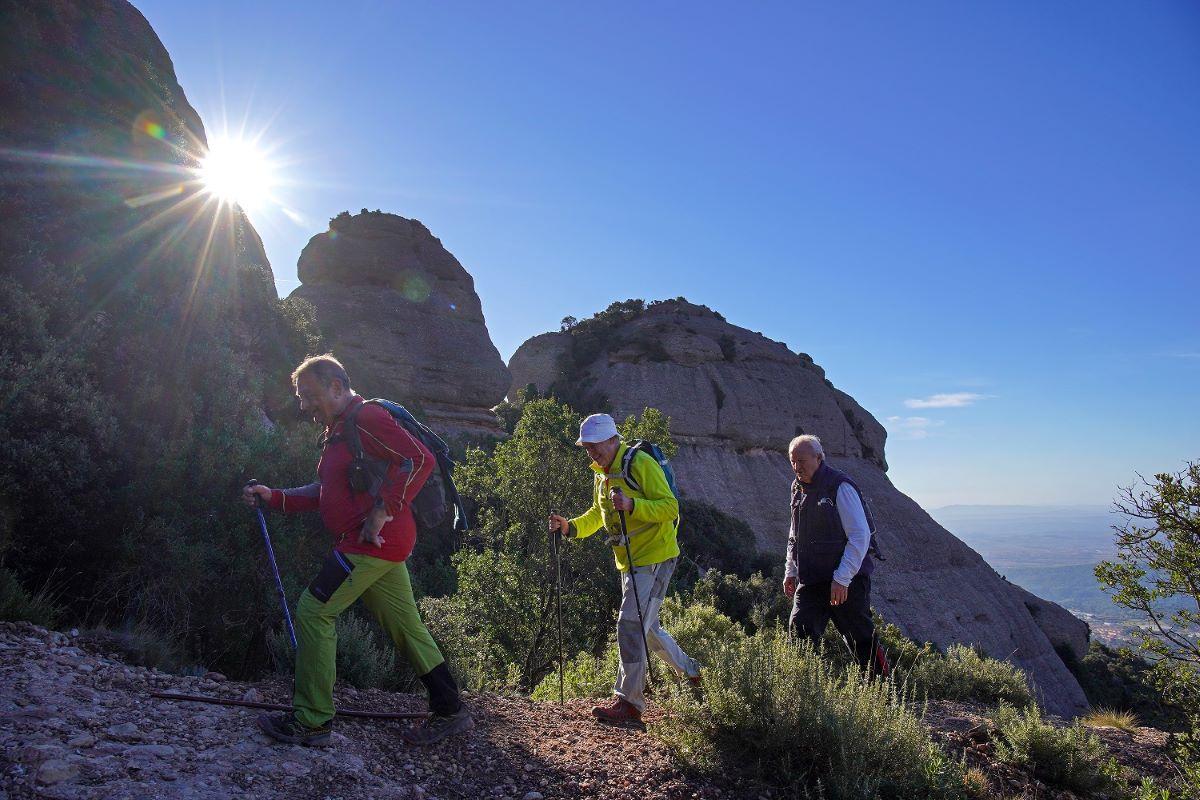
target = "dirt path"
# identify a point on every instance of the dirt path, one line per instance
(76, 724)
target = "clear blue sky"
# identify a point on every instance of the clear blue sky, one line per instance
(994, 200)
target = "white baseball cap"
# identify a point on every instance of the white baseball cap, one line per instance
(597, 428)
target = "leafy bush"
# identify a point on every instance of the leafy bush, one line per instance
(585, 675)
(136, 402)
(700, 630)
(1158, 557)
(18, 604)
(713, 540)
(1124, 681)
(779, 713)
(1071, 757)
(756, 602)
(138, 644)
(961, 673)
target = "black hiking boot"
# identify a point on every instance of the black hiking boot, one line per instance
(439, 726)
(286, 728)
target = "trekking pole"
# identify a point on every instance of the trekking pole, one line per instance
(556, 548)
(262, 523)
(636, 598)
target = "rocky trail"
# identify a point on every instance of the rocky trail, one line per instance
(77, 723)
(80, 724)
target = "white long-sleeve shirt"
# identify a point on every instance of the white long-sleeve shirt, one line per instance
(858, 538)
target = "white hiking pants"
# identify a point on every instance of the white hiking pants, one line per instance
(652, 581)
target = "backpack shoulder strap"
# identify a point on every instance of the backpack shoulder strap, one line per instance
(350, 431)
(631, 452)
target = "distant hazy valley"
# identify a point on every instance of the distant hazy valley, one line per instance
(1049, 550)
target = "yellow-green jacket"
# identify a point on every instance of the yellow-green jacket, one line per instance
(652, 524)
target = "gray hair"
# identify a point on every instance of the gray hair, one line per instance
(812, 441)
(325, 369)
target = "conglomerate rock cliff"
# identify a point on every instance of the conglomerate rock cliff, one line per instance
(402, 314)
(735, 399)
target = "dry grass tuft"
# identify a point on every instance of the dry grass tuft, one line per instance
(1112, 718)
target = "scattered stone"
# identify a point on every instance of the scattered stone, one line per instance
(82, 740)
(38, 753)
(124, 731)
(156, 750)
(252, 695)
(56, 771)
(538, 795)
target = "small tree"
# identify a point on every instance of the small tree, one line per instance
(1158, 563)
(507, 592)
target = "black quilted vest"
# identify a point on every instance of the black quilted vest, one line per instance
(817, 527)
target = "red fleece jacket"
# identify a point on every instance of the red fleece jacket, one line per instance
(343, 511)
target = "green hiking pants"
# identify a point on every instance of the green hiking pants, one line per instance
(385, 589)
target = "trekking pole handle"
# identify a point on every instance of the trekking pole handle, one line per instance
(257, 497)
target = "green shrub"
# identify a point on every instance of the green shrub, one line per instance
(780, 714)
(138, 644)
(756, 601)
(585, 675)
(1124, 681)
(18, 604)
(498, 618)
(1149, 789)
(699, 629)
(961, 673)
(1071, 757)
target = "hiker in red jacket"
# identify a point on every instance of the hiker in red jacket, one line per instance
(373, 536)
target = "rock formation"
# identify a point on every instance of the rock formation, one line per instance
(735, 398)
(402, 314)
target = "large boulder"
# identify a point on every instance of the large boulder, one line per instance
(402, 314)
(735, 399)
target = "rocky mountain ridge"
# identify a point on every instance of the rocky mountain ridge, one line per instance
(735, 399)
(402, 314)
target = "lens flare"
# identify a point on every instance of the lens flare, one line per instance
(235, 171)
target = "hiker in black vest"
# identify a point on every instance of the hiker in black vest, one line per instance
(828, 568)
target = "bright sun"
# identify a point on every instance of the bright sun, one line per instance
(235, 171)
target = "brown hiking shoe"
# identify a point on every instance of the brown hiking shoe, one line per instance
(619, 712)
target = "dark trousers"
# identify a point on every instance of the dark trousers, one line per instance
(811, 613)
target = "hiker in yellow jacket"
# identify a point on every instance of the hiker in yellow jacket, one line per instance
(652, 517)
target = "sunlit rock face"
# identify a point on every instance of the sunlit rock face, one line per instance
(401, 312)
(735, 399)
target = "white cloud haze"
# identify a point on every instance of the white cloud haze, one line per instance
(912, 427)
(952, 400)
